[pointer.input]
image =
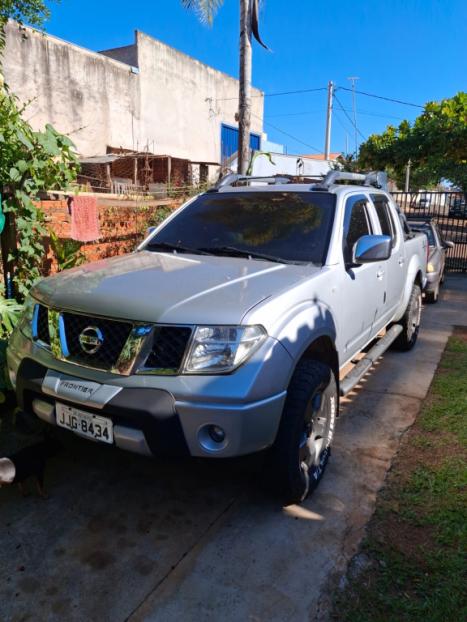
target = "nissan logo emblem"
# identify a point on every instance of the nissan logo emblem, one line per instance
(91, 339)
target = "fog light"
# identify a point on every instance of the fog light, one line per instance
(212, 437)
(216, 433)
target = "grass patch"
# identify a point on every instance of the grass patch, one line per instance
(414, 554)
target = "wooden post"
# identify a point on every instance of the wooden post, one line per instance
(169, 170)
(108, 176)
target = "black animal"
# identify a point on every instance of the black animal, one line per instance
(28, 462)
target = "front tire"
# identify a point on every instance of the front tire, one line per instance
(410, 321)
(303, 443)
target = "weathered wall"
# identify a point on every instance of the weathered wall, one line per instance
(122, 225)
(187, 102)
(81, 93)
(173, 104)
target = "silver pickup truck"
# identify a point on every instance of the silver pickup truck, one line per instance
(227, 331)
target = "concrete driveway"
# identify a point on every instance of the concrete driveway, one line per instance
(125, 538)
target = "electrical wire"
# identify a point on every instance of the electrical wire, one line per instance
(278, 129)
(388, 99)
(360, 112)
(348, 117)
(322, 88)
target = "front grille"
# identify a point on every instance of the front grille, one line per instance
(43, 324)
(168, 347)
(114, 337)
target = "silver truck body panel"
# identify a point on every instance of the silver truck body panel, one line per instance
(296, 304)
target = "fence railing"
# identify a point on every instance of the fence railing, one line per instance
(449, 211)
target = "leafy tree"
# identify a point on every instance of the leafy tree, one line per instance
(30, 162)
(436, 145)
(34, 12)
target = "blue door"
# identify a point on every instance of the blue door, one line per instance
(229, 141)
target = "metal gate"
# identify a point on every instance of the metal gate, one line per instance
(449, 211)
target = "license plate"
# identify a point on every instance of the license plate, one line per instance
(84, 424)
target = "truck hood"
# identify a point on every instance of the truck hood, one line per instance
(169, 288)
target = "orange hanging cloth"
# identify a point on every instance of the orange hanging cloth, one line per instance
(84, 219)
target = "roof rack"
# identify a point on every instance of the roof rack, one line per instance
(233, 178)
(377, 179)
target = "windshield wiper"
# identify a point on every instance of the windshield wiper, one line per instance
(167, 246)
(232, 251)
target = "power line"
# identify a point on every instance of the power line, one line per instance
(360, 112)
(296, 114)
(348, 117)
(341, 123)
(324, 88)
(388, 99)
(278, 129)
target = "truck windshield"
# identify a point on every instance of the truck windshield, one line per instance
(290, 227)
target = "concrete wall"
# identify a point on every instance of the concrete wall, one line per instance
(173, 103)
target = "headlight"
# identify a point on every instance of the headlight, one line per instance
(25, 321)
(217, 349)
(430, 267)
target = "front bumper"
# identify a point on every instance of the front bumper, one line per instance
(432, 281)
(161, 415)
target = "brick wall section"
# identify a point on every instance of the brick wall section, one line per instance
(122, 225)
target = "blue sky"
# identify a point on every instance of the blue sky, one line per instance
(411, 50)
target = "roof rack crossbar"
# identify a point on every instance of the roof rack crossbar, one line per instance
(233, 178)
(377, 179)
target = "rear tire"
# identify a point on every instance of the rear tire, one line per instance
(410, 321)
(302, 448)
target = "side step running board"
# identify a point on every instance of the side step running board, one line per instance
(364, 365)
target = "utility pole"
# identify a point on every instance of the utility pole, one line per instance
(353, 79)
(244, 113)
(327, 140)
(407, 175)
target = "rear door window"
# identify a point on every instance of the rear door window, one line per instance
(383, 212)
(356, 224)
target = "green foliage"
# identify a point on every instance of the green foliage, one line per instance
(347, 163)
(34, 12)
(257, 154)
(67, 252)
(10, 312)
(206, 9)
(9, 315)
(436, 145)
(30, 161)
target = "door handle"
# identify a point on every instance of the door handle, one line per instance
(401, 261)
(380, 274)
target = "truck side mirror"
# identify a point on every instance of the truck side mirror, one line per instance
(149, 230)
(371, 248)
(448, 244)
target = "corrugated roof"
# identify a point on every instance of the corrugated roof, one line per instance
(103, 159)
